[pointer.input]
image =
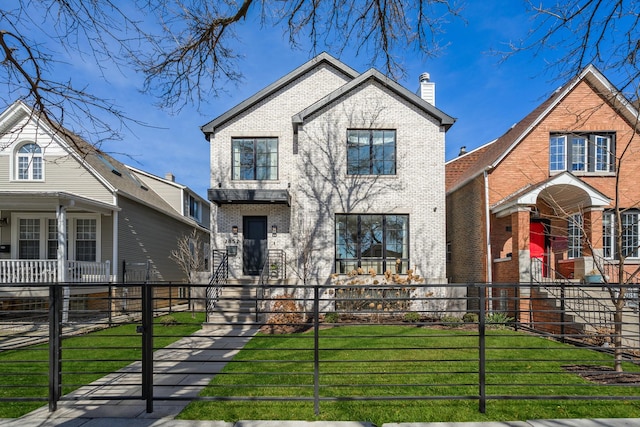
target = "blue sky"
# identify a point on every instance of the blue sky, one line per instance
(485, 96)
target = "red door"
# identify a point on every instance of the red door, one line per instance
(537, 248)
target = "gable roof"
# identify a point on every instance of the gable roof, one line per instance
(113, 174)
(376, 76)
(459, 165)
(558, 190)
(501, 147)
(323, 58)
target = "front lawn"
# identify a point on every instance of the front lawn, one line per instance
(360, 363)
(25, 371)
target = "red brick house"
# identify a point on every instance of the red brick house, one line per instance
(540, 198)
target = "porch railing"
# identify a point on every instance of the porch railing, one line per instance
(47, 271)
(571, 296)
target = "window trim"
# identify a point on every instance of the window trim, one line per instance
(608, 224)
(561, 150)
(16, 161)
(254, 166)
(44, 233)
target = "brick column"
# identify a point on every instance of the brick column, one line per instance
(520, 222)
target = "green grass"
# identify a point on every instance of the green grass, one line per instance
(24, 373)
(426, 362)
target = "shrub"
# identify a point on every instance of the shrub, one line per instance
(497, 320)
(168, 321)
(411, 317)
(332, 317)
(470, 318)
(451, 321)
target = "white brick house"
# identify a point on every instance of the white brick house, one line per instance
(348, 165)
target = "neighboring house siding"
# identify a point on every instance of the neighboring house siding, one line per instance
(466, 233)
(141, 241)
(582, 110)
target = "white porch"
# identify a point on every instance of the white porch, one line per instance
(13, 271)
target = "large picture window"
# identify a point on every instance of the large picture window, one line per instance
(630, 234)
(582, 153)
(371, 242)
(255, 158)
(371, 152)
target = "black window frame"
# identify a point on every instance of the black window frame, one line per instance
(370, 165)
(255, 164)
(344, 265)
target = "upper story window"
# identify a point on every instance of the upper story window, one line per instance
(29, 164)
(255, 158)
(195, 208)
(582, 152)
(371, 152)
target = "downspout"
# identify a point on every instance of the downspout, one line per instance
(487, 214)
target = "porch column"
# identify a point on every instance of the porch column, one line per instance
(592, 232)
(520, 227)
(61, 216)
(592, 239)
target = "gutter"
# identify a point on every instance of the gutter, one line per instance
(487, 214)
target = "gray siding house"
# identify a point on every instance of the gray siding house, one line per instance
(71, 213)
(336, 169)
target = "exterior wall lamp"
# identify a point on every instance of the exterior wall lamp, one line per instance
(274, 230)
(234, 230)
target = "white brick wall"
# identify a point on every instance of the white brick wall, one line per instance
(317, 176)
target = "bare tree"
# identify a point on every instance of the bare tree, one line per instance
(572, 34)
(186, 50)
(189, 254)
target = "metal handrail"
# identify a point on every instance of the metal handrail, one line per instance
(218, 279)
(572, 297)
(274, 267)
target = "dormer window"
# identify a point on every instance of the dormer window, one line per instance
(582, 153)
(29, 164)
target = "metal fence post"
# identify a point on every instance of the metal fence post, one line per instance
(147, 345)
(482, 356)
(316, 352)
(55, 375)
(562, 311)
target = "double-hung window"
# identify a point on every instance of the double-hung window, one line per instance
(37, 238)
(371, 242)
(371, 152)
(255, 158)
(29, 164)
(582, 153)
(630, 234)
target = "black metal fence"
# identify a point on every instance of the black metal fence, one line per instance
(354, 339)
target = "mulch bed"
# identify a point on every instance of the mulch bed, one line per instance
(604, 374)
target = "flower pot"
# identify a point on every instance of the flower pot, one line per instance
(593, 278)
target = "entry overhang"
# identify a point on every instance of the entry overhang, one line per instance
(564, 190)
(222, 196)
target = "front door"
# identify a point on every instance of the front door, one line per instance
(254, 245)
(537, 244)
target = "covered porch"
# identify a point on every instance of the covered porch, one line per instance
(550, 230)
(56, 237)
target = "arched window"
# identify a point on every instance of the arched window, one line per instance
(29, 162)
